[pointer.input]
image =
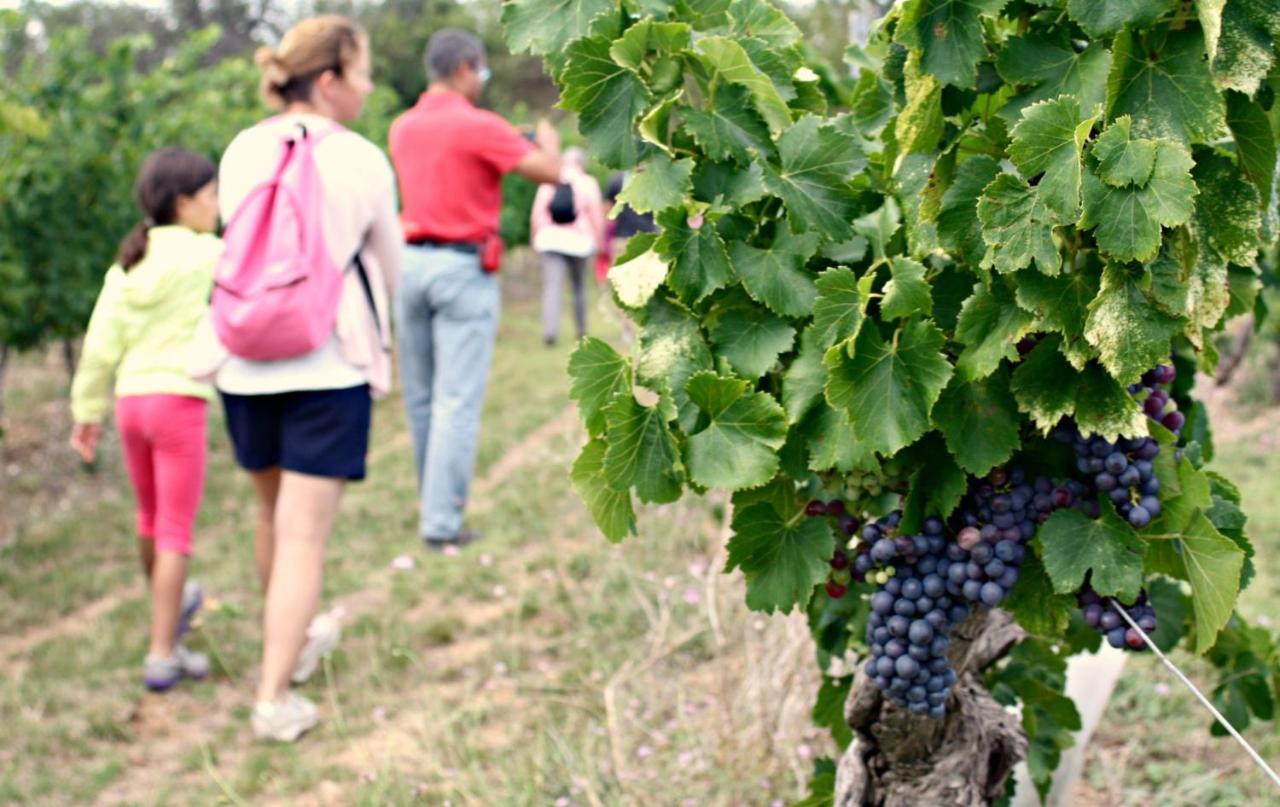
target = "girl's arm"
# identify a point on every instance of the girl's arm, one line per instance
(103, 348)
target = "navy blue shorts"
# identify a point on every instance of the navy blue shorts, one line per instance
(314, 432)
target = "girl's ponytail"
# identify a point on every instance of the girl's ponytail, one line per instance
(134, 246)
(166, 174)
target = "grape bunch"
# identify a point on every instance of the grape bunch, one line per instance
(909, 629)
(840, 576)
(1123, 471)
(1000, 515)
(1100, 614)
(1156, 402)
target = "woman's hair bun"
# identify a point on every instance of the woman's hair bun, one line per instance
(273, 70)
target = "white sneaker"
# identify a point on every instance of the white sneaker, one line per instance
(322, 638)
(283, 720)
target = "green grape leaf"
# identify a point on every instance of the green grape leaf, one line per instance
(1104, 406)
(813, 181)
(1060, 303)
(642, 452)
(672, 349)
(547, 26)
(1038, 384)
(1213, 565)
(760, 20)
(1240, 38)
(1227, 210)
(959, 229)
(738, 446)
(699, 261)
(637, 279)
(1167, 88)
(907, 292)
(1128, 219)
(979, 421)
(726, 60)
(658, 183)
(611, 509)
(646, 37)
(832, 442)
(879, 226)
(1100, 18)
(608, 98)
(1048, 140)
(989, 327)
(806, 376)
(888, 389)
(731, 129)
(1122, 159)
(1051, 63)
(1033, 602)
(1130, 333)
(828, 713)
(949, 34)
(781, 561)
(751, 338)
(936, 487)
(727, 184)
(841, 305)
(597, 373)
(1255, 144)
(775, 275)
(1017, 227)
(919, 125)
(1072, 544)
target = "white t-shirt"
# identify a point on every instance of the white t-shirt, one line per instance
(359, 213)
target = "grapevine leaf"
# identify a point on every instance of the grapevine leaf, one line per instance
(607, 97)
(1017, 227)
(1034, 604)
(659, 182)
(738, 446)
(907, 292)
(1048, 141)
(805, 378)
(597, 373)
(1123, 159)
(1130, 333)
(1036, 675)
(833, 444)
(782, 562)
(888, 389)
(635, 281)
(979, 420)
(1039, 384)
(918, 183)
(775, 275)
(841, 305)
(817, 164)
(760, 20)
(959, 229)
(1255, 144)
(1060, 303)
(1128, 219)
(1072, 544)
(642, 452)
(828, 711)
(547, 26)
(728, 184)
(751, 338)
(699, 260)
(611, 509)
(727, 60)
(989, 327)
(1050, 62)
(1240, 38)
(731, 129)
(879, 226)
(1172, 605)
(919, 124)
(1100, 18)
(1227, 210)
(936, 487)
(1213, 564)
(1104, 406)
(949, 34)
(672, 349)
(646, 37)
(1166, 88)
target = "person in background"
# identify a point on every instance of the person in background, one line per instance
(567, 229)
(141, 332)
(300, 425)
(450, 158)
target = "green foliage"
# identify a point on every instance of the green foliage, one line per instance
(1024, 208)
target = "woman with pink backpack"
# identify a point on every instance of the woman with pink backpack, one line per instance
(300, 306)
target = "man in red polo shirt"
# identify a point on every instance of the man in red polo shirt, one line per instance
(450, 157)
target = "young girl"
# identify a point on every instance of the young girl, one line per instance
(300, 425)
(141, 331)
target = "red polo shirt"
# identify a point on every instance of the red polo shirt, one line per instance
(449, 158)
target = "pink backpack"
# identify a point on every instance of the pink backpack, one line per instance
(276, 288)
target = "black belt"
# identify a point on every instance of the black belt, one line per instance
(469, 247)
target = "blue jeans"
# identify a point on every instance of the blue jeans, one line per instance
(446, 312)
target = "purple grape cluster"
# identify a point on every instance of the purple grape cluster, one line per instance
(1154, 394)
(909, 629)
(840, 575)
(1102, 617)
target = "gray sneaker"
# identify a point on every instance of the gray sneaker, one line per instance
(161, 674)
(322, 639)
(283, 720)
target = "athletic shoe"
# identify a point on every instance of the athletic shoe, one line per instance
(464, 537)
(192, 600)
(322, 638)
(161, 674)
(283, 720)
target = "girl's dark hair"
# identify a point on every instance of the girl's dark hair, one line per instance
(166, 174)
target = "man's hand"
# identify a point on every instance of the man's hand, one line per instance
(546, 137)
(84, 439)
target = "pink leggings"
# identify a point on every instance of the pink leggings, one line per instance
(164, 449)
